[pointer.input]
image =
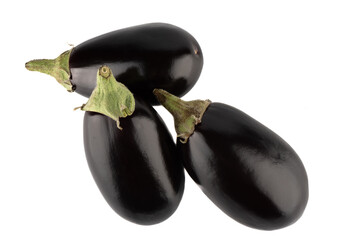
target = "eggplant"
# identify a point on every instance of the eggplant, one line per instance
(244, 168)
(131, 153)
(143, 57)
(137, 168)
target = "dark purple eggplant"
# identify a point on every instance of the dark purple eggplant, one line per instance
(137, 168)
(246, 169)
(143, 57)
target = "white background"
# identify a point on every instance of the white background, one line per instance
(279, 61)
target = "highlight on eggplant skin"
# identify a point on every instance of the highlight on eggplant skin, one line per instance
(136, 169)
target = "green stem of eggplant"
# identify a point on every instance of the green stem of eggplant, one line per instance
(110, 97)
(57, 68)
(187, 114)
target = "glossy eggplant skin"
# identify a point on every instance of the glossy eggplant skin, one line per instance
(247, 170)
(136, 169)
(144, 57)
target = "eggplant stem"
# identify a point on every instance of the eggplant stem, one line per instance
(57, 68)
(187, 114)
(110, 97)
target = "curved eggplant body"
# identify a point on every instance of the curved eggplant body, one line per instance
(136, 169)
(247, 170)
(143, 57)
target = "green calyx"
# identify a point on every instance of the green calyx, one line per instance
(187, 114)
(57, 68)
(110, 98)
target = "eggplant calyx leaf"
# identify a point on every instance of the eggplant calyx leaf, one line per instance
(57, 68)
(110, 98)
(187, 114)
